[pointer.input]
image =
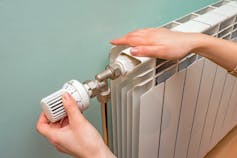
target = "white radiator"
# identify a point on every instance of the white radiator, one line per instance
(177, 109)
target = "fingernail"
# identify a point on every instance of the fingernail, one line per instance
(134, 51)
(66, 96)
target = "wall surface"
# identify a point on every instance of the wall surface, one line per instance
(44, 43)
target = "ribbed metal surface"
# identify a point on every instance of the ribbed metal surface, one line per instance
(178, 109)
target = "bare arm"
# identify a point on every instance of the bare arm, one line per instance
(220, 51)
(166, 44)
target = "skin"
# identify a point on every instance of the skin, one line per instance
(75, 136)
(165, 44)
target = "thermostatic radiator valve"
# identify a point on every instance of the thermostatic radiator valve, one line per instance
(53, 106)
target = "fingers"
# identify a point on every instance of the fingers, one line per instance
(135, 38)
(128, 40)
(64, 122)
(132, 39)
(119, 41)
(43, 126)
(71, 107)
(150, 51)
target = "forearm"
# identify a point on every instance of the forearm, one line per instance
(101, 152)
(222, 52)
(105, 152)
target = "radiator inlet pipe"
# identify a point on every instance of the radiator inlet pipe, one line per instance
(105, 123)
(103, 97)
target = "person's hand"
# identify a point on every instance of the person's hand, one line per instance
(73, 135)
(158, 43)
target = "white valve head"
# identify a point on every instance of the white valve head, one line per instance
(53, 107)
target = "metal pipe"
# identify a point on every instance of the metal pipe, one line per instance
(104, 123)
(112, 72)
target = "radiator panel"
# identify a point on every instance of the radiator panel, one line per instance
(177, 109)
(148, 129)
(127, 108)
(191, 89)
(229, 121)
(212, 110)
(137, 92)
(234, 116)
(171, 111)
(221, 113)
(208, 75)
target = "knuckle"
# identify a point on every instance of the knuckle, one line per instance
(128, 36)
(54, 141)
(41, 130)
(133, 38)
(140, 49)
(136, 40)
(134, 33)
(38, 128)
(73, 106)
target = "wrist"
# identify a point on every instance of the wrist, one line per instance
(201, 44)
(198, 42)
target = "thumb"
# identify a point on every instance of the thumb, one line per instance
(71, 107)
(149, 51)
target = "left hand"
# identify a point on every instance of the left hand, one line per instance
(74, 135)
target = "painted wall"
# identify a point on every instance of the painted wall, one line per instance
(44, 43)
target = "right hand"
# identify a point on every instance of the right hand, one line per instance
(159, 43)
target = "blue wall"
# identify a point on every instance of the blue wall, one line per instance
(44, 43)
